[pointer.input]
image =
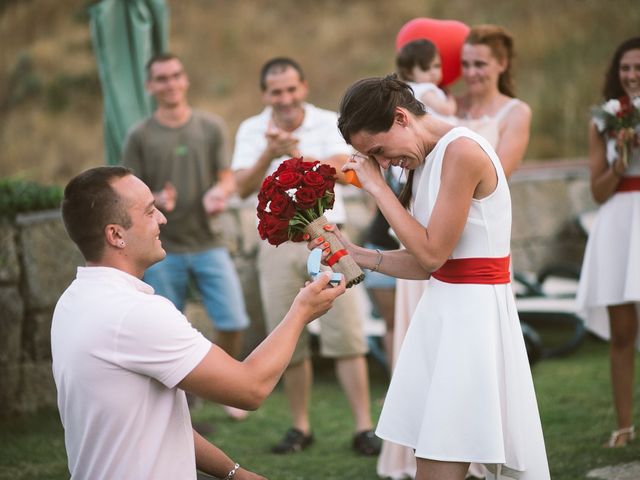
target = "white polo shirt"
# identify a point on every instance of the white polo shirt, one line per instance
(318, 137)
(118, 353)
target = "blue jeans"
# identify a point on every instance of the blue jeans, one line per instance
(216, 279)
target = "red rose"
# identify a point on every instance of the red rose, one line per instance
(278, 238)
(329, 184)
(268, 188)
(314, 180)
(273, 228)
(291, 164)
(306, 166)
(288, 179)
(326, 170)
(306, 197)
(282, 206)
(263, 201)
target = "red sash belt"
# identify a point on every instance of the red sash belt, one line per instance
(628, 184)
(486, 271)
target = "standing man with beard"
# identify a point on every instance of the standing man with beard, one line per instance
(290, 127)
(182, 155)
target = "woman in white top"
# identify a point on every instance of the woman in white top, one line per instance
(461, 391)
(489, 106)
(486, 67)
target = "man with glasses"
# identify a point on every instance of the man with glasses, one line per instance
(182, 155)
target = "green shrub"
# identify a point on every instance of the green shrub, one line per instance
(20, 196)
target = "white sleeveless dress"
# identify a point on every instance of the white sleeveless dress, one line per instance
(611, 266)
(462, 388)
(489, 126)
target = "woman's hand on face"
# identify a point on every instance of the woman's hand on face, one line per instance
(367, 170)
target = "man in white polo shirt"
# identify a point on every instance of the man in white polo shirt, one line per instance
(290, 127)
(123, 357)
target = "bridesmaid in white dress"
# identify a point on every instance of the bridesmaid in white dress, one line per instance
(609, 290)
(489, 106)
(461, 391)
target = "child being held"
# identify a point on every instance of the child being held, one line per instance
(419, 65)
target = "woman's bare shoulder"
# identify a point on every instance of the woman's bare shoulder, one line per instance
(519, 109)
(465, 150)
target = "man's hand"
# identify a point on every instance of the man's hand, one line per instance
(280, 143)
(214, 200)
(316, 298)
(165, 199)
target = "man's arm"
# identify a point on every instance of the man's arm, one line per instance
(248, 180)
(215, 199)
(222, 379)
(213, 461)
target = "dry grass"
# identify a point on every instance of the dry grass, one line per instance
(50, 114)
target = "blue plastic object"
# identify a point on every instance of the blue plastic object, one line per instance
(313, 267)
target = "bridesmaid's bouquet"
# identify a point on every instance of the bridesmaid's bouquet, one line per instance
(292, 202)
(619, 117)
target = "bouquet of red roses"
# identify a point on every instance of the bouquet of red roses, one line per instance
(292, 201)
(619, 117)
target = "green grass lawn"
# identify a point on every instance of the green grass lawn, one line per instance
(573, 395)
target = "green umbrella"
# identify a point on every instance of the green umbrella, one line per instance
(125, 35)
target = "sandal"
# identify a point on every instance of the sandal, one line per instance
(366, 443)
(617, 438)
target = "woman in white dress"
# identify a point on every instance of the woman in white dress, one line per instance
(609, 289)
(489, 107)
(461, 391)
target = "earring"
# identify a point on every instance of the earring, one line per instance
(121, 244)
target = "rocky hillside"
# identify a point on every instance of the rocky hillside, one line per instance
(50, 100)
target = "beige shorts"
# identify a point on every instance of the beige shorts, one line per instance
(283, 271)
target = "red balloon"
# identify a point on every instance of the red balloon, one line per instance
(447, 35)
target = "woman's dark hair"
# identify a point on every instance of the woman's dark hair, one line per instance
(500, 42)
(369, 105)
(417, 53)
(612, 87)
(90, 204)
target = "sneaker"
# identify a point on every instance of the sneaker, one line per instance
(293, 441)
(366, 443)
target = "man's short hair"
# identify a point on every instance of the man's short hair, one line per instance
(158, 58)
(278, 65)
(90, 204)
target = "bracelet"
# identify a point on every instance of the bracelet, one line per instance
(232, 472)
(375, 269)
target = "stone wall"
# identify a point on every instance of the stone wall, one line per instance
(38, 261)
